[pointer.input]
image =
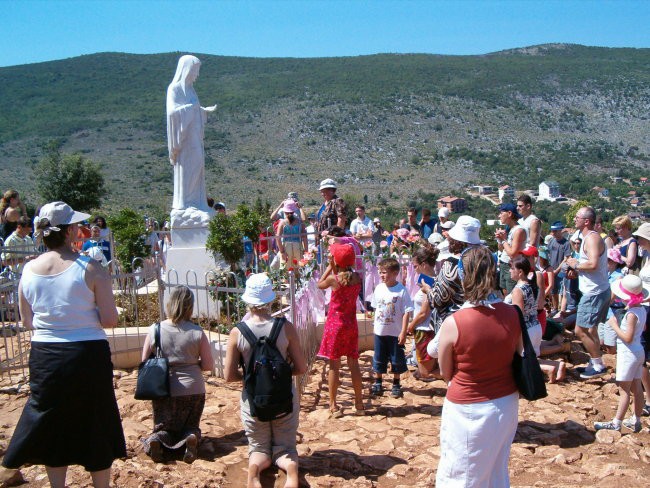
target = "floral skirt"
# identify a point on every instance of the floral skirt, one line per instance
(174, 419)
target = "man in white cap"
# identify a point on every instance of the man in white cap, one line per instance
(443, 216)
(333, 211)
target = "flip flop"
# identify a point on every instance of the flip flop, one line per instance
(336, 414)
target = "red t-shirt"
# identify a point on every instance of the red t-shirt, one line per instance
(487, 339)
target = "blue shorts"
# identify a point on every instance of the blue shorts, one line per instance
(387, 349)
(592, 309)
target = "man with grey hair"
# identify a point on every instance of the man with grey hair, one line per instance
(593, 282)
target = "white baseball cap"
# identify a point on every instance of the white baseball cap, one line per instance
(259, 290)
(328, 183)
(444, 213)
(60, 213)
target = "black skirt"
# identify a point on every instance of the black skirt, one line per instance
(71, 416)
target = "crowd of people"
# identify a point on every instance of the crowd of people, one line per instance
(576, 282)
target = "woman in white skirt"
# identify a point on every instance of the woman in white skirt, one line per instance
(479, 415)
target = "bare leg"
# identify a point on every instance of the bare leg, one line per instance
(333, 382)
(590, 340)
(289, 463)
(56, 476)
(637, 391)
(257, 462)
(556, 370)
(101, 479)
(645, 381)
(623, 399)
(357, 385)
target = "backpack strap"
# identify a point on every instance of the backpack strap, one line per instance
(278, 323)
(247, 333)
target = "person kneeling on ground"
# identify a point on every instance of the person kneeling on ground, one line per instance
(272, 441)
(176, 418)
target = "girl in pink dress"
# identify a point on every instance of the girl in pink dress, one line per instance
(341, 335)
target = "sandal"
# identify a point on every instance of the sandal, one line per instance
(336, 414)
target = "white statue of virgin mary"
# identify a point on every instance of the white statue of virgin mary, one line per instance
(185, 121)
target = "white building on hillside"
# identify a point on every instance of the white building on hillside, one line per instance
(548, 190)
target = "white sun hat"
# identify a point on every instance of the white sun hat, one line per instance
(328, 183)
(629, 286)
(259, 290)
(466, 230)
(436, 238)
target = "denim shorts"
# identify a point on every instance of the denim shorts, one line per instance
(387, 349)
(592, 309)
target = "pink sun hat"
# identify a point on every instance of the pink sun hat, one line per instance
(290, 207)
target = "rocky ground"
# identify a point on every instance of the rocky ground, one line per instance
(395, 445)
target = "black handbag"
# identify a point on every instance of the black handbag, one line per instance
(527, 371)
(153, 374)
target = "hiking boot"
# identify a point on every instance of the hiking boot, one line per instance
(191, 449)
(377, 389)
(591, 372)
(633, 423)
(155, 451)
(646, 410)
(607, 426)
(396, 391)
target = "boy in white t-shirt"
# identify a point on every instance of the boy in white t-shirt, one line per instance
(393, 307)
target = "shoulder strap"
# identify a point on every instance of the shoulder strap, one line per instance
(247, 333)
(157, 343)
(278, 323)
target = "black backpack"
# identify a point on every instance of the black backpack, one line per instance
(267, 377)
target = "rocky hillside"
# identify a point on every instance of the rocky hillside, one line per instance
(384, 126)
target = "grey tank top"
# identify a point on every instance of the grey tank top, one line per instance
(181, 345)
(261, 330)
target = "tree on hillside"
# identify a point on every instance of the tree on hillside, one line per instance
(71, 178)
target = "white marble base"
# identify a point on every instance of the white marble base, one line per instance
(188, 266)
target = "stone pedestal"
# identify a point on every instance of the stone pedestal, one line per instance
(188, 262)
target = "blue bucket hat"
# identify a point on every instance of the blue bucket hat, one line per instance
(510, 207)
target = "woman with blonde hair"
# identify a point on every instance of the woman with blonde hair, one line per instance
(176, 418)
(627, 243)
(479, 414)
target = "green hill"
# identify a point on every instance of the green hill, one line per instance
(382, 125)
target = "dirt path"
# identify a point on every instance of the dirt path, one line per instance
(395, 446)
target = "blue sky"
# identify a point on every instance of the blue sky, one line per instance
(42, 30)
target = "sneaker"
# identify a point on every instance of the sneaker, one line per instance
(191, 449)
(396, 391)
(411, 361)
(607, 426)
(377, 389)
(633, 424)
(646, 410)
(591, 372)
